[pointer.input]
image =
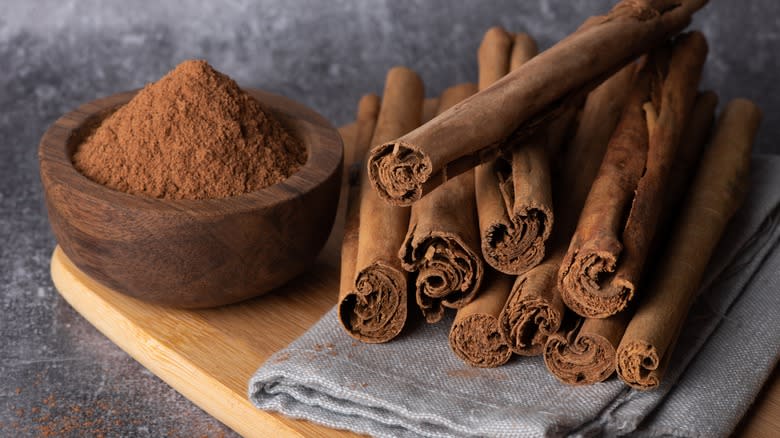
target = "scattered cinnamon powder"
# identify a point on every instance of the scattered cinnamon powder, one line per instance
(53, 418)
(193, 134)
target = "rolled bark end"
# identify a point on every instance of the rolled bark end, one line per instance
(526, 324)
(589, 288)
(476, 339)
(449, 274)
(375, 311)
(515, 247)
(493, 56)
(397, 172)
(637, 365)
(584, 361)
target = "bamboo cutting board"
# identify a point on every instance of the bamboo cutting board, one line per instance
(209, 355)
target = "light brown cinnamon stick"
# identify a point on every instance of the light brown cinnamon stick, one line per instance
(368, 108)
(374, 308)
(715, 195)
(474, 336)
(442, 244)
(534, 309)
(695, 137)
(473, 132)
(587, 354)
(348, 133)
(430, 108)
(514, 194)
(599, 273)
(493, 55)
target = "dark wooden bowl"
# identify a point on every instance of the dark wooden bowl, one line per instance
(192, 253)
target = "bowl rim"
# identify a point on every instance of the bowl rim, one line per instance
(323, 158)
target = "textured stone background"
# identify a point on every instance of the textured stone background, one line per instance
(58, 373)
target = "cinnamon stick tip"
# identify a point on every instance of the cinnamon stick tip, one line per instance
(590, 360)
(385, 320)
(497, 35)
(695, 40)
(525, 42)
(516, 249)
(368, 106)
(477, 341)
(746, 107)
(637, 364)
(527, 323)
(400, 70)
(397, 171)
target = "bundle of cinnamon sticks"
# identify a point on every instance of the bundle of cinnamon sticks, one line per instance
(565, 206)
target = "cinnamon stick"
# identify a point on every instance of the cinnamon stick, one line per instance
(355, 148)
(442, 244)
(696, 135)
(715, 195)
(474, 131)
(430, 108)
(514, 194)
(474, 336)
(374, 308)
(534, 309)
(587, 354)
(348, 133)
(493, 55)
(607, 253)
(600, 116)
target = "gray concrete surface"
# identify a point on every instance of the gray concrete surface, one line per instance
(57, 373)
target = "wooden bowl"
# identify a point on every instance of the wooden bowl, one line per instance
(192, 253)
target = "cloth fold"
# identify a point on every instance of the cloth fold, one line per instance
(416, 386)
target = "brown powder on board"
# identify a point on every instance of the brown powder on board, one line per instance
(193, 134)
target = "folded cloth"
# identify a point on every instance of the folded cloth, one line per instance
(416, 386)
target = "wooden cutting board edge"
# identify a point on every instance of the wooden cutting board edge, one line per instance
(112, 315)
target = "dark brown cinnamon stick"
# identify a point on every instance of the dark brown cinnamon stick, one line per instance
(373, 304)
(514, 194)
(599, 273)
(405, 169)
(534, 309)
(442, 244)
(474, 336)
(587, 354)
(715, 195)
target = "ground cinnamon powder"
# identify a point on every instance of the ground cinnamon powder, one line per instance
(193, 134)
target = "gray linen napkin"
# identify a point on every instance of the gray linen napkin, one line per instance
(415, 385)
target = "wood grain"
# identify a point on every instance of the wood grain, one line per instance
(205, 252)
(208, 355)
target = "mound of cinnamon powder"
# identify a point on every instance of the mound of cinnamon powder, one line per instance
(193, 134)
